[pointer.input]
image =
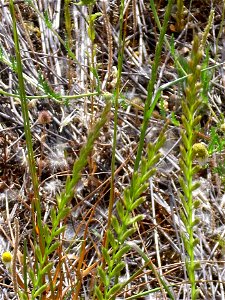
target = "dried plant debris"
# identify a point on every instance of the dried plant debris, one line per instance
(69, 54)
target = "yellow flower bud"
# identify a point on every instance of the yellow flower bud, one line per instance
(200, 153)
(7, 258)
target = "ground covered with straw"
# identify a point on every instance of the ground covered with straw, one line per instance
(70, 55)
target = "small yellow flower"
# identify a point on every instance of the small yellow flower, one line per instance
(200, 153)
(7, 258)
(222, 127)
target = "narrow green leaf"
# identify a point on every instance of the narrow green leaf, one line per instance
(135, 219)
(174, 119)
(63, 212)
(196, 294)
(160, 141)
(187, 245)
(53, 247)
(148, 175)
(185, 123)
(138, 192)
(150, 149)
(183, 186)
(154, 160)
(40, 290)
(184, 140)
(58, 198)
(184, 203)
(25, 271)
(195, 170)
(183, 153)
(46, 233)
(127, 195)
(196, 121)
(98, 293)
(53, 215)
(188, 267)
(196, 204)
(120, 209)
(47, 268)
(117, 270)
(114, 290)
(32, 276)
(112, 240)
(183, 168)
(195, 186)
(185, 110)
(91, 33)
(59, 231)
(197, 265)
(103, 276)
(126, 234)
(1, 53)
(196, 242)
(183, 218)
(116, 225)
(106, 255)
(38, 254)
(195, 222)
(93, 17)
(23, 295)
(135, 182)
(143, 167)
(47, 20)
(121, 252)
(137, 203)
(196, 105)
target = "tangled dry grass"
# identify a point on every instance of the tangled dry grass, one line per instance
(60, 122)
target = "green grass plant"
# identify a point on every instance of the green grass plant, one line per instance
(36, 204)
(123, 226)
(31, 161)
(43, 275)
(190, 120)
(180, 20)
(46, 236)
(150, 103)
(112, 267)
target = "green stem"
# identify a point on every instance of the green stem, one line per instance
(36, 206)
(31, 160)
(116, 98)
(149, 104)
